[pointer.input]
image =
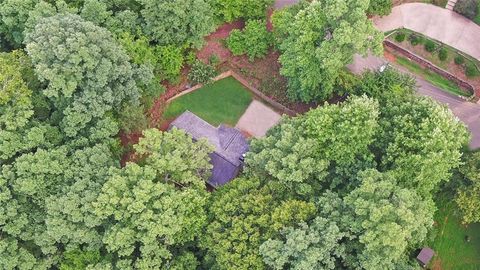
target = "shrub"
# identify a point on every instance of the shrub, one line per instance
(170, 61)
(442, 54)
(254, 40)
(235, 42)
(380, 7)
(213, 60)
(430, 46)
(471, 70)
(415, 39)
(201, 73)
(191, 57)
(468, 8)
(459, 60)
(400, 36)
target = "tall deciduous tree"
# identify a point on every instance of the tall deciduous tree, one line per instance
(380, 7)
(319, 41)
(243, 215)
(86, 72)
(387, 219)
(420, 141)
(14, 14)
(151, 211)
(330, 141)
(308, 247)
(16, 106)
(177, 22)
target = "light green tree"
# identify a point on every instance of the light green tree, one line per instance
(420, 141)
(387, 219)
(15, 97)
(319, 41)
(156, 208)
(86, 72)
(242, 215)
(254, 40)
(308, 152)
(305, 247)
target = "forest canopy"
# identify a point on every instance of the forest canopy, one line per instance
(346, 185)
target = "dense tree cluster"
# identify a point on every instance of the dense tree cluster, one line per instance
(343, 186)
(368, 174)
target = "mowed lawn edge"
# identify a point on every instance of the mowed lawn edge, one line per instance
(221, 102)
(450, 245)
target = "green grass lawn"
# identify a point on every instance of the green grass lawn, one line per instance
(432, 77)
(223, 101)
(453, 252)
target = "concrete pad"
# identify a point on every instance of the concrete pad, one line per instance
(258, 119)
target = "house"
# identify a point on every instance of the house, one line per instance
(425, 256)
(230, 146)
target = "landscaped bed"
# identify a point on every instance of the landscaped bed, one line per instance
(223, 101)
(441, 55)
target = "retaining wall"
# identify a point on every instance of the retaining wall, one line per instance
(429, 65)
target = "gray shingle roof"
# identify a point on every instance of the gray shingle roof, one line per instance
(425, 255)
(230, 144)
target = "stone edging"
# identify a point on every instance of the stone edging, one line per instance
(427, 64)
(281, 108)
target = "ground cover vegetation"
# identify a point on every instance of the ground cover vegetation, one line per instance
(344, 186)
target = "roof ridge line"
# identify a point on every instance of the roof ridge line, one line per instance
(237, 133)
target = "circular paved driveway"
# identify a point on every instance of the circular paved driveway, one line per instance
(435, 22)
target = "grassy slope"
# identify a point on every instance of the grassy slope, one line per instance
(431, 77)
(453, 252)
(223, 101)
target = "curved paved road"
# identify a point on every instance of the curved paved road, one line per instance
(435, 22)
(467, 112)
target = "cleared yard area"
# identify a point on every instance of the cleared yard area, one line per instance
(223, 101)
(450, 244)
